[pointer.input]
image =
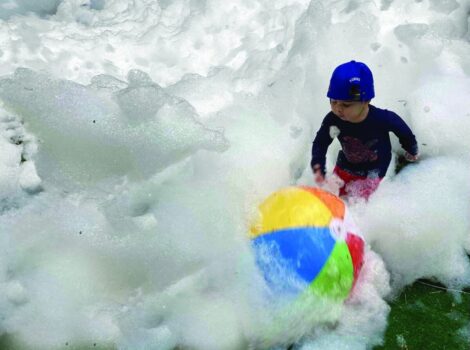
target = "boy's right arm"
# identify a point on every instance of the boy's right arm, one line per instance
(319, 147)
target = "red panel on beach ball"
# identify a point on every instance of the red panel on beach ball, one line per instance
(356, 249)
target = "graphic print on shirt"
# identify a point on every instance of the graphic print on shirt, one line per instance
(356, 151)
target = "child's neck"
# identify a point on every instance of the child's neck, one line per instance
(362, 115)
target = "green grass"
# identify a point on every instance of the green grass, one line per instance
(427, 316)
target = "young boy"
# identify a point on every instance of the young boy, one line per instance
(363, 131)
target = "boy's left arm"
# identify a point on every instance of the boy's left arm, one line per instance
(405, 136)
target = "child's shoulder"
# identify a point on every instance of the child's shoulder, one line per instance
(382, 113)
(378, 109)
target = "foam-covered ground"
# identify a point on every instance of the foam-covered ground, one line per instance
(137, 138)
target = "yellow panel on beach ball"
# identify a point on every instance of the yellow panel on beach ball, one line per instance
(289, 208)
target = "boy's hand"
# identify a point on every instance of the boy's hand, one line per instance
(411, 158)
(318, 174)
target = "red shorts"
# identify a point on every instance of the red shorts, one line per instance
(356, 186)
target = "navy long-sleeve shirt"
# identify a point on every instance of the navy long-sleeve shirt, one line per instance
(366, 148)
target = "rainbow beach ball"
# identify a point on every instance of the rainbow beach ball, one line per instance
(305, 242)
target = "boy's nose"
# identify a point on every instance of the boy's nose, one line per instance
(338, 110)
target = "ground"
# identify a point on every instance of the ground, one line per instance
(427, 316)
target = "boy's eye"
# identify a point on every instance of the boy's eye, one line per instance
(341, 104)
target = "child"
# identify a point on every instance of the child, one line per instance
(363, 131)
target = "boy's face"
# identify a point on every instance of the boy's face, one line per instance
(350, 111)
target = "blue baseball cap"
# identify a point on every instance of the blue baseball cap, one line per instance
(351, 81)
